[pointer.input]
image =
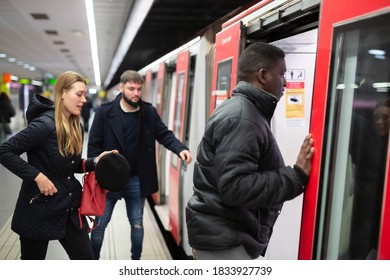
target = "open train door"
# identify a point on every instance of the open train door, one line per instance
(346, 212)
(159, 197)
(227, 48)
(182, 69)
(147, 89)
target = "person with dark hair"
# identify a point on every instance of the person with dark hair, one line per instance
(382, 119)
(48, 202)
(7, 111)
(369, 177)
(131, 126)
(240, 179)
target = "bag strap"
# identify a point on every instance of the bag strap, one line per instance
(91, 220)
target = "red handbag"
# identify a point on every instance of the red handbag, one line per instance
(93, 198)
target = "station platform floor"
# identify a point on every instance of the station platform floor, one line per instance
(116, 245)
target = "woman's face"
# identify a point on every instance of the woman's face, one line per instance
(382, 119)
(74, 98)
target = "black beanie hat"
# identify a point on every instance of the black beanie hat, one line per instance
(112, 172)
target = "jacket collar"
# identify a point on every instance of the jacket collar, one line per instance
(263, 101)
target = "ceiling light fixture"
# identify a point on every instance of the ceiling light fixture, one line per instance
(78, 33)
(93, 41)
(136, 18)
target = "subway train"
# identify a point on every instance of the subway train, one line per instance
(338, 71)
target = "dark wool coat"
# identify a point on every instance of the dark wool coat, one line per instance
(107, 133)
(240, 179)
(36, 216)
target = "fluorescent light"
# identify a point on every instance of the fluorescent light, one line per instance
(136, 18)
(381, 85)
(376, 52)
(343, 86)
(93, 41)
(36, 83)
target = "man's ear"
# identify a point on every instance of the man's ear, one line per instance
(262, 75)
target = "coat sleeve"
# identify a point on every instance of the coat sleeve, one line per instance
(166, 137)
(96, 134)
(33, 136)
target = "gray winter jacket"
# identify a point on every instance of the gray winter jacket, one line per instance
(240, 179)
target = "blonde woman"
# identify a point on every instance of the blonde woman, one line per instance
(48, 202)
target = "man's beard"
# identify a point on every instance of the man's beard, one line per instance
(131, 103)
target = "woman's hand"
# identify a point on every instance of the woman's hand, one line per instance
(45, 185)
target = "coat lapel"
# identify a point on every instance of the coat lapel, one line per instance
(114, 119)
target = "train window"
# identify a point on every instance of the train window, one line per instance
(223, 80)
(356, 142)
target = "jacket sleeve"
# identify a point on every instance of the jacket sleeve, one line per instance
(166, 137)
(33, 136)
(237, 168)
(96, 134)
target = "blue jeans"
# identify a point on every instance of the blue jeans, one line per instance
(135, 211)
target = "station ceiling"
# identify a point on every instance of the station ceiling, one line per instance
(44, 38)
(170, 24)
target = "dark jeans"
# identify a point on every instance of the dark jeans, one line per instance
(76, 244)
(135, 211)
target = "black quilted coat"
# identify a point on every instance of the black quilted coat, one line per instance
(240, 179)
(36, 216)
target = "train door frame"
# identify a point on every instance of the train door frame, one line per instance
(182, 77)
(161, 103)
(147, 90)
(291, 120)
(331, 19)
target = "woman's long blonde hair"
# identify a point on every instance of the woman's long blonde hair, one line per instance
(69, 134)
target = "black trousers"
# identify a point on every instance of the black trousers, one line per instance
(76, 244)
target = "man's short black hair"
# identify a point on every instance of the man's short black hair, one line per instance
(258, 55)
